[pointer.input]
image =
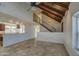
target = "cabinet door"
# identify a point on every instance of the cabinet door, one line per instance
(2, 27)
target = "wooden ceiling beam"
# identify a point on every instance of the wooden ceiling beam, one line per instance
(54, 9)
(62, 4)
(50, 11)
(52, 16)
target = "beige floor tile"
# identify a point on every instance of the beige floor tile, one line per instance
(27, 48)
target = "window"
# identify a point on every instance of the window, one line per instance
(12, 28)
(75, 31)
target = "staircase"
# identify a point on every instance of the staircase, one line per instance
(54, 10)
(48, 26)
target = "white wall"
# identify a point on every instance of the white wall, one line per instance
(74, 7)
(54, 37)
(17, 9)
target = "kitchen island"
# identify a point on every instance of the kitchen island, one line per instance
(9, 39)
(11, 36)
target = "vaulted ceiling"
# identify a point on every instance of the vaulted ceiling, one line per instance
(55, 10)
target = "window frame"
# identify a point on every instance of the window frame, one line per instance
(75, 36)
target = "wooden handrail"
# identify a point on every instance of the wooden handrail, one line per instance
(43, 24)
(48, 25)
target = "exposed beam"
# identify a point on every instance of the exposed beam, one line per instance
(50, 11)
(54, 10)
(50, 6)
(52, 16)
(62, 4)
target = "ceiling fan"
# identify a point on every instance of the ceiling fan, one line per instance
(33, 6)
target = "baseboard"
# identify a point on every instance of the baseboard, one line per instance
(70, 50)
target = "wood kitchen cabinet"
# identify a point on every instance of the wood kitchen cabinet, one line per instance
(1, 39)
(2, 27)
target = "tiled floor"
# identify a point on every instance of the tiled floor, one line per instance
(27, 48)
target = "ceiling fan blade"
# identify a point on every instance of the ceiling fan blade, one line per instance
(33, 5)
